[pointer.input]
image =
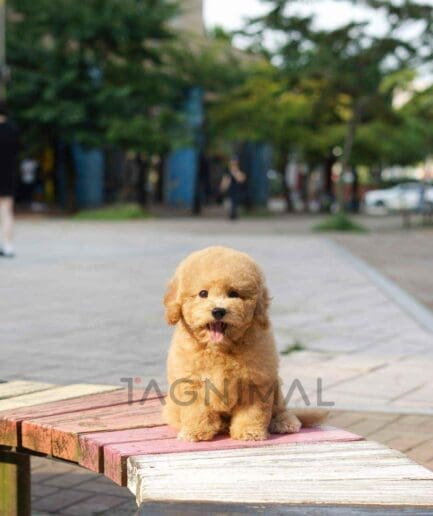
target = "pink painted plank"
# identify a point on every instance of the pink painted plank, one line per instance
(92, 444)
(10, 420)
(58, 435)
(116, 455)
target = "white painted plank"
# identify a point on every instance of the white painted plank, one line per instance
(360, 472)
(20, 387)
(54, 394)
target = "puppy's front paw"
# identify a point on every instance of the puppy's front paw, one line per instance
(194, 435)
(249, 434)
(285, 423)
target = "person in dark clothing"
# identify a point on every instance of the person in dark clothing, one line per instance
(9, 147)
(232, 183)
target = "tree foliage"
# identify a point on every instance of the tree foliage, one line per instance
(336, 87)
(94, 72)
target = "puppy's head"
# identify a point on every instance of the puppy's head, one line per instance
(219, 293)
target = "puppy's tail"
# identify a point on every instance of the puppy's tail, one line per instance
(310, 418)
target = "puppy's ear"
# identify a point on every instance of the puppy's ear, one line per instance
(172, 302)
(262, 307)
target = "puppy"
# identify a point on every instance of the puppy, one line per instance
(223, 364)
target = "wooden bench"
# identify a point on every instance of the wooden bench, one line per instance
(324, 469)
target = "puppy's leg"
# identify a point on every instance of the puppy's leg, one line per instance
(199, 423)
(250, 422)
(283, 421)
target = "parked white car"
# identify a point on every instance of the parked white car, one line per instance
(406, 196)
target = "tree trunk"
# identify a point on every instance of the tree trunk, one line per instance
(287, 194)
(282, 166)
(305, 190)
(347, 152)
(329, 194)
(143, 169)
(356, 201)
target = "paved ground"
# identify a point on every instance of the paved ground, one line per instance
(84, 304)
(404, 256)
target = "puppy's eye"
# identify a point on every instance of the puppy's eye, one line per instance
(233, 294)
(203, 293)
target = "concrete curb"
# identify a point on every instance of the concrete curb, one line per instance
(422, 315)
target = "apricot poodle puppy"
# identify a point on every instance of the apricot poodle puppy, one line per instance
(223, 363)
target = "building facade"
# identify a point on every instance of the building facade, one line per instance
(192, 19)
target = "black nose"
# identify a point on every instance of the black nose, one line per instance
(219, 313)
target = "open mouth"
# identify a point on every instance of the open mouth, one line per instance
(217, 331)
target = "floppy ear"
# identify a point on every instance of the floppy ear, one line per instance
(172, 302)
(262, 307)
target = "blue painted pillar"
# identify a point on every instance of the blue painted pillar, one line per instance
(257, 160)
(89, 167)
(182, 164)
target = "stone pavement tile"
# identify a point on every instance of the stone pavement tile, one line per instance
(423, 453)
(96, 504)
(42, 476)
(103, 485)
(40, 490)
(385, 435)
(390, 382)
(126, 509)
(41, 464)
(336, 343)
(305, 357)
(310, 385)
(310, 373)
(357, 362)
(408, 441)
(345, 419)
(411, 435)
(356, 401)
(59, 501)
(372, 424)
(424, 393)
(411, 405)
(422, 423)
(73, 479)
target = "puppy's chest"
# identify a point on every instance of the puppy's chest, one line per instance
(220, 370)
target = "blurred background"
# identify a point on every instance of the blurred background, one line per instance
(142, 103)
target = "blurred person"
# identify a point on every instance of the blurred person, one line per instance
(232, 182)
(29, 176)
(9, 147)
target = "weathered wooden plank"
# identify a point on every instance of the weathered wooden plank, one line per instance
(58, 435)
(116, 454)
(10, 420)
(48, 402)
(14, 484)
(270, 509)
(92, 445)
(53, 394)
(20, 387)
(354, 473)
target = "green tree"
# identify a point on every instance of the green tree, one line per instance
(95, 72)
(349, 63)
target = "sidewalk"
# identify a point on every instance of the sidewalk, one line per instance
(369, 352)
(84, 305)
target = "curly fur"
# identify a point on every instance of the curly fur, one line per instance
(231, 386)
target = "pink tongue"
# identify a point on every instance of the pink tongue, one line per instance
(216, 332)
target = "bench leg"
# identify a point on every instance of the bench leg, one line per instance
(14, 483)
